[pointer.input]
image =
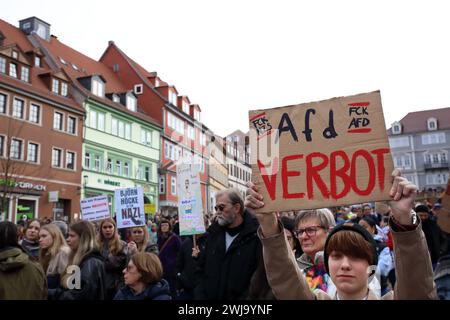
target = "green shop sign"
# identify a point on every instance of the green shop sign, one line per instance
(112, 183)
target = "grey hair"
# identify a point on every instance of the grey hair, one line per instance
(324, 215)
(234, 195)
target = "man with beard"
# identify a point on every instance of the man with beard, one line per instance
(437, 243)
(232, 254)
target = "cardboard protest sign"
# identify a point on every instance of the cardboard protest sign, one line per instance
(129, 207)
(321, 154)
(189, 200)
(95, 208)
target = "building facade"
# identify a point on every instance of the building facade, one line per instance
(238, 161)
(218, 170)
(40, 133)
(121, 144)
(420, 146)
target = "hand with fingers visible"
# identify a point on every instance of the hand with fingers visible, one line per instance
(267, 221)
(404, 194)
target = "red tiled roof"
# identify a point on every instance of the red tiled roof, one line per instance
(417, 121)
(89, 67)
(14, 35)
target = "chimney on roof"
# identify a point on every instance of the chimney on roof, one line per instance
(35, 25)
(110, 43)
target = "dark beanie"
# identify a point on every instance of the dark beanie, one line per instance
(421, 208)
(355, 228)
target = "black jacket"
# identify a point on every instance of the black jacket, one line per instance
(155, 291)
(186, 264)
(436, 241)
(114, 265)
(92, 285)
(227, 275)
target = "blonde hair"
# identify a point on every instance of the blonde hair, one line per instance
(114, 245)
(149, 266)
(46, 255)
(142, 246)
(87, 243)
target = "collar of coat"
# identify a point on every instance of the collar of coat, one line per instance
(250, 225)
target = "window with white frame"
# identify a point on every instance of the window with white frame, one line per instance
(87, 160)
(2, 146)
(127, 131)
(443, 157)
(3, 101)
(24, 74)
(173, 185)
(71, 125)
(33, 152)
(433, 138)
(114, 127)
(64, 89)
(191, 132)
(98, 87)
(57, 158)
(126, 169)
(101, 121)
(185, 107)
(118, 167)
(162, 185)
(203, 139)
(131, 103)
(432, 124)
(16, 151)
(121, 129)
(2, 65)
(70, 160)
(18, 108)
(15, 54)
(147, 173)
(13, 70)
(37, 61)
(58, 121)
(138, 88)
(116, 98)
(55, 86)
(35, 113)
(197, 115)
(146, 137)
(97, 163)
(399, 142)
(109, 165)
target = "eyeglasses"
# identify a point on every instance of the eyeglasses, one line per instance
(220, 207)
(310, 231)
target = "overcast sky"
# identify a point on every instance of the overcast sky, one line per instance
(235, 55)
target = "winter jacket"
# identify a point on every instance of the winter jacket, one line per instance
(57, 266)
(92, 283)
(31, 248)
(154, 291)
(186, 264)
(114, 265)
(437, 242)
(288, 282)
(21, 278)
(168, 253)
(227, 274)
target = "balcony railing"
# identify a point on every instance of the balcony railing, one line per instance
(436, 165)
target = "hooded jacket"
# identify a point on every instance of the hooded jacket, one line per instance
(154, 291)
(21, 278)
(92, 282)
(287, 280)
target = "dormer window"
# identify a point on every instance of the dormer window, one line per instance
(37, 61)
(131, 103)
(156, 83)
(13, 70)
(116, 98)
(432, 124)
(62, 61)
(2, 65)
(197, 115)
(55, 86)
(74, 66)
(25, 74)
(15, 55)
(98, 87)
(138, 89)
(64, 89)
(185, 107)
(396, 128)
(172, 97)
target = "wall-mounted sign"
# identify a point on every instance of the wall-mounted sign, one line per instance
(112, 183)
(23, 185)
(53, 196)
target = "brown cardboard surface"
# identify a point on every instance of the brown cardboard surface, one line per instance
(321, 154)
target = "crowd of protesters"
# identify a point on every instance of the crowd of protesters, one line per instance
(363, 251)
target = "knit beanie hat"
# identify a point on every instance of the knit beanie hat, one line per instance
(355, 228)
